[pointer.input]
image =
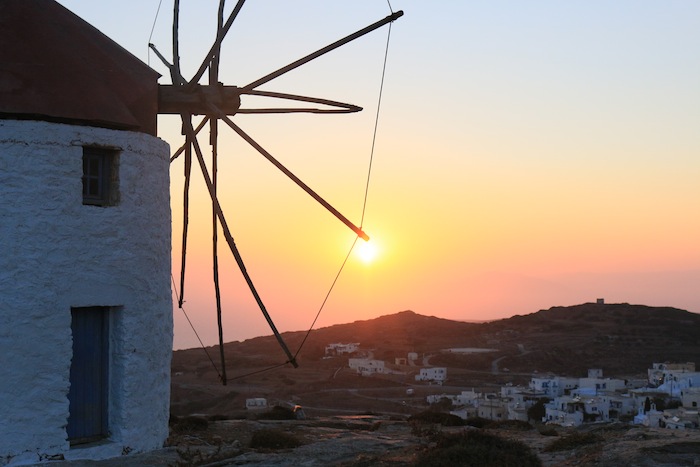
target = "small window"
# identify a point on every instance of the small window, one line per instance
(100, 176)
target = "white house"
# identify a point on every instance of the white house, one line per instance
(493, 409)
(256, 403)
(579, 407)
(553, 386)
(366, 366)
(690, 397)
(519, 400)
(85, 298)
(673, 378)
(463, 398)
(675, 384)
(660, 372)
(565, 411)
(651, 418)
(340, 349)
(433, 374)
(593, 386)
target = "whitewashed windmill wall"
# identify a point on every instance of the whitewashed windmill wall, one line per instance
(65, 255)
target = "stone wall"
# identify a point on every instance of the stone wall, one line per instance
(56, 253)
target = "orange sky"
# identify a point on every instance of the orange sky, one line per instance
(527, 156)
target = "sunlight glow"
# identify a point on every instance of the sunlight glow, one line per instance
(367, 251)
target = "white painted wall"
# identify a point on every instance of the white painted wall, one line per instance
(56, 253)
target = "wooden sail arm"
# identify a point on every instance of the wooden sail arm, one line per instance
(177, 99)
(340, 106)
(323, 51)
(182, 148)
(334, 107)
(169, 65)
(291, 176)
(290, 110)
(232, 244)
(216, 47)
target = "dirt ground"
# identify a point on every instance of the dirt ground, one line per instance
(353, 441)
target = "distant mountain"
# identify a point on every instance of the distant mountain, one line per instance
(619, 338)
(622, 339)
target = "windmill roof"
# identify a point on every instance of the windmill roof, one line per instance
(55, 66)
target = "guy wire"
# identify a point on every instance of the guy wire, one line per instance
(177, 295)
(364, 202)
(148, 55)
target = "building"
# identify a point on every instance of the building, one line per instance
(463, 398)
(593, 386)
(673, 378)
(553, 386)
(340, 349)
(519, 399)
(492, 408)
(256, 403)
(690, 398)
(366, 366)
(660, 372)
(565, 411)
(85, 302)
(434, 375)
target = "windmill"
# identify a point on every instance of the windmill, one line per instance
(219, 103)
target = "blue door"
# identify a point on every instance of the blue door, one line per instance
(88, 392)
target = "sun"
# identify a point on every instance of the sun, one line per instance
(367, 251)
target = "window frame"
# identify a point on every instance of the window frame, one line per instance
(100, 179)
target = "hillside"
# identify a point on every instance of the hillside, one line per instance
(615, 337)
(622, 339)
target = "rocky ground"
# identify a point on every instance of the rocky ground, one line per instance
(353, 441)
(333, 395)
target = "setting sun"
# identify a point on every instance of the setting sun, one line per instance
(367, 251)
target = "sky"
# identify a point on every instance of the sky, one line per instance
(527, 155)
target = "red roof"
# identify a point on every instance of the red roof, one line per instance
(56, 67)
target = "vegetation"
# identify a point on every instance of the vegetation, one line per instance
(438, 418)
(477, 448)
(277, 413)
(477, 422)
(572, 441)
(191, 457)
(511, 425)
(274, 439)
(537, 411)
(548, 430)
(188, 424)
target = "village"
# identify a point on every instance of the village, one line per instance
(667, 398)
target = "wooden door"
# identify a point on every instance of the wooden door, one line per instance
(89, 370)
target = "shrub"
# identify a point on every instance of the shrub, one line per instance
(188, 424)
(476, 448)
(440, 418)
(478, 422)
(537, 411)
(513, 425)
(273, 439)
(547, 430)
(218, 417)
(572, 441)
(277, 413)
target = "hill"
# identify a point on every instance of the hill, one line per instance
(615, 337)
(622, 339)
